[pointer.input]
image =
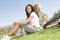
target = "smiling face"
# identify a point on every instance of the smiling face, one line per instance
(29, 9)
(37, 8)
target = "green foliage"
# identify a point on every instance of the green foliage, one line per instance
(56, 14)
(47, 34)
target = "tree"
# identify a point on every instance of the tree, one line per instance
(54, 21)
(56, 14)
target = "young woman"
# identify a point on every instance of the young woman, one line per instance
(30, 25)
(42, 16)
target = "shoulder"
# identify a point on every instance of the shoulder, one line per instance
(43, 12)
(33, 13)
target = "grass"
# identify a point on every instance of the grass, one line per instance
(47, 34)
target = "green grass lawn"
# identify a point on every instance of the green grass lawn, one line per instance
(47, 34)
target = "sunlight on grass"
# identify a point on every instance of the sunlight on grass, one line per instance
(46, 34)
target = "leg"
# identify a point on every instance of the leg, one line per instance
(16, 27)
(7, 37)
(31, 29)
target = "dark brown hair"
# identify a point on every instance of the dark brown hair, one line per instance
(28, 15)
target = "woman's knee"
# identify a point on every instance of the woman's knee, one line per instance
(15, 23)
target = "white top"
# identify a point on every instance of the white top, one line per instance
(35, 19)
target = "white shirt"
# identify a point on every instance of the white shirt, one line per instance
(35, 19)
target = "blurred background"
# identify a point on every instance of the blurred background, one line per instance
(14, 10)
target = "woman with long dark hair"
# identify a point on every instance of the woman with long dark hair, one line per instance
(30, 25)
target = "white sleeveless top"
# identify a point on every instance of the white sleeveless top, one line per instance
(35, 20)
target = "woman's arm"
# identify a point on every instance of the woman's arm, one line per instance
(28, 20)
(24, 22)
(45, 18)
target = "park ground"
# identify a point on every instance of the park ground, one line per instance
(46, 34)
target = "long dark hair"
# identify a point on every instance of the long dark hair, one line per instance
(37, 14)
(28, 14)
